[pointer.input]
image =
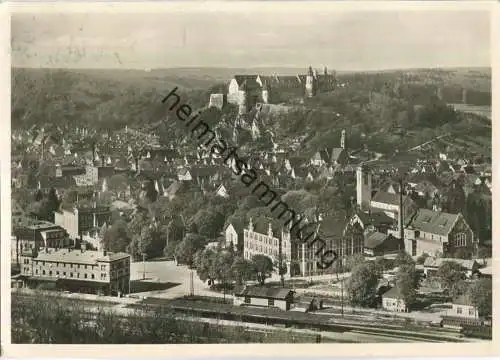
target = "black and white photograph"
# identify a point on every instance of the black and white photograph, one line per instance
(251, 174)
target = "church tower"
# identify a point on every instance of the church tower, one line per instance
(310, 83)
(342, 140)
(363, 187)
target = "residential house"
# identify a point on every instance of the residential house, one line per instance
(281, 298)
(379, 244)
(462, 306)
(222, 191)
(392, 300)
(435, 233)
(432, 264)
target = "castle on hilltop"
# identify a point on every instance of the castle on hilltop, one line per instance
(248, 90)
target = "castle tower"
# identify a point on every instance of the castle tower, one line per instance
(342, 140)
(310, 83)
(363, 187)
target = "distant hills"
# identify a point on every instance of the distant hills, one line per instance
(477, 78)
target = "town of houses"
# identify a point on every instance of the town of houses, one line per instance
(386, 208)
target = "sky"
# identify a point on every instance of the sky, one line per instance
(370, 40)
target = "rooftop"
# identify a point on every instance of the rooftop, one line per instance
(265, 292)
(76, 256)
(433, 222)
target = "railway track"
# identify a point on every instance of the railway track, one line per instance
(246, 316)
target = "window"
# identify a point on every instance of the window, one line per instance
(57, 273)
(93, 276)
(247, 300)
(460, 239)
(471, 311)
(270, 302)
(43, 272)
(85, 276)
(70, 274)
(64, 273)
(50, 273)
(36, 271)
(459, 310)
(103, 267)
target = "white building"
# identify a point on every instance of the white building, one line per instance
(393, 301)
(281, 298)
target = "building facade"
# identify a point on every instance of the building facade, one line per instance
(438, 233)
(258, 242)
(280, 298)
(248, 90)
(82, 220)
(41, 234)
(78, 270)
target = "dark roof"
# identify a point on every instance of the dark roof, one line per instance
(336, 152)
(375, 218)
(265, 292)
(388, 198)
(393, 293)
(248, 81)
(374, 239)
(439, 223)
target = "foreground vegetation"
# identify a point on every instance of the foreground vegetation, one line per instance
(48, 321)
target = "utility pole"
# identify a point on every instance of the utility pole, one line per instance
(143, 266)
(191, 285)
(282, 276)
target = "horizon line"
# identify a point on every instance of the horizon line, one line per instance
(149, 69)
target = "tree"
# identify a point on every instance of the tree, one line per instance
(421, 258)
(116, 237)
(382, 264)
(208, 222)
(38, 195)
(243, 270)
(408, 281)
(185, 250)
(204, 261)
(263, 266)
(450, 274)
(403, 258)
(362, 285)
(481, 294)
(353, 261)
(223, 261)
